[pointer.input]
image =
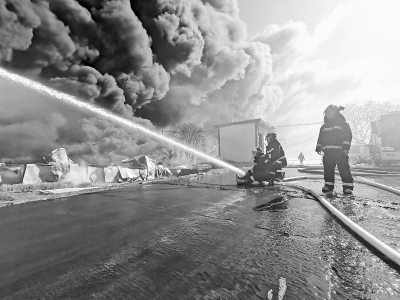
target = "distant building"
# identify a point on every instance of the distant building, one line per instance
(236, 140)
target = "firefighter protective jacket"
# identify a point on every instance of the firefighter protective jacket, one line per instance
(276, 153)
(264, 164)
(335, 134)
(256, 157)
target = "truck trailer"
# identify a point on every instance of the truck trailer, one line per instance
(385, 139)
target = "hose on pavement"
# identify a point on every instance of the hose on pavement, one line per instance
(390, 253)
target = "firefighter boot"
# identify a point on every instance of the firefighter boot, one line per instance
(330, 194)
(279, 175)
(328, 190)
(241, 179)
(347, 190)
(249, 179)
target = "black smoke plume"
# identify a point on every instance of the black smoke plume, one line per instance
(166, 61)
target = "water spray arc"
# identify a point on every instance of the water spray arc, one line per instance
(74, 101)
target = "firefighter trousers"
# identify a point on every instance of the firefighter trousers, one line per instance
(258, 176)
(337, 158)
(278, 169)
(263, 176)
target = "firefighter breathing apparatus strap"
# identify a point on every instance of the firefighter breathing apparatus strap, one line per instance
(331, 147)
(282, 157)
(332, 128)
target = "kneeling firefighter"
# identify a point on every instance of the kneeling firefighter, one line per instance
(263, 170)
(276, 154)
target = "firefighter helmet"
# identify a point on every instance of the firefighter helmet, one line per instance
(257, 150)
(334, 108)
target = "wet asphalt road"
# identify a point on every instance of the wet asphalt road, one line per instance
(198, 239)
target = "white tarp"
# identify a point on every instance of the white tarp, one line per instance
(11, 174)
(95, 174)
(127, 173)
(60, 163)
(112, 174)
(77, 173)
(31, 175)
(146, 163)
(37, 173)
(46, 173)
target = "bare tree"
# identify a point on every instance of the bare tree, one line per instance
(361, 114)
(211, 137)
(191, 135)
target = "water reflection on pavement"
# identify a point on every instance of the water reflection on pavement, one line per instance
(202, 238)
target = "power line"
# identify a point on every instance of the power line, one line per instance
(303, 141)
(298, 124)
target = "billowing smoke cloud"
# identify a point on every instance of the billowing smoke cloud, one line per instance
(202, 44)
(17, 22)
(166, 61)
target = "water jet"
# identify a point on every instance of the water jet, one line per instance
(74, 101)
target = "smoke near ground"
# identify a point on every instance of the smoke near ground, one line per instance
(158, 62)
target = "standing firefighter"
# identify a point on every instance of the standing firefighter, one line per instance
(276, 154)
(301, 158)
(335, 140)
(263, 170)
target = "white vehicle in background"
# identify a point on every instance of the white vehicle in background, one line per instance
(360, 154)
(385, 139)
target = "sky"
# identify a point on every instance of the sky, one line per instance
(338, 52)
(160, 62)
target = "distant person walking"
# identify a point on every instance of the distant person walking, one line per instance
(301, 158)
(334, 141)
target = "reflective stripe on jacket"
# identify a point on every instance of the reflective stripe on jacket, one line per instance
(276, 152)
(335, 134)
(264, 164)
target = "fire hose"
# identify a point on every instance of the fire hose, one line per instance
(357, 171)
(390, 253)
